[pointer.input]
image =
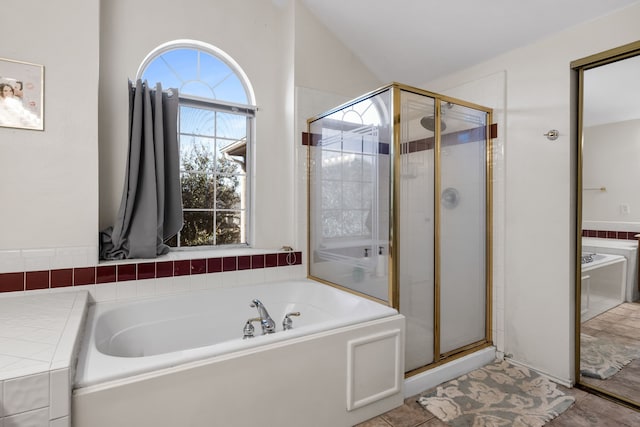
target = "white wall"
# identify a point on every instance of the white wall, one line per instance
(266, 39)
(539, 192)
(48, 179)
(611, 155)
(326, 75)
(255, 35)
(63, 186)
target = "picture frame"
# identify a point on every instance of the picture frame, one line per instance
(21, 95)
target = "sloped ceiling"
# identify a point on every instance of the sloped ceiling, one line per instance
(416, 41)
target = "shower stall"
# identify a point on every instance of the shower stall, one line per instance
(399, 204)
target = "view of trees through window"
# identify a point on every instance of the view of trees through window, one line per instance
(214, 123)
(206, 222)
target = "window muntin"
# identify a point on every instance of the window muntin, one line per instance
(215, 123)
(197, 73)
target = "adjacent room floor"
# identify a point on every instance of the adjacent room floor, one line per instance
(623, 323)
(588, 410)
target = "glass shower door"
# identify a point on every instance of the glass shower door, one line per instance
(416, 227)
(463, 207)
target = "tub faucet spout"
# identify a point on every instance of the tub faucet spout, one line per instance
(267, 323)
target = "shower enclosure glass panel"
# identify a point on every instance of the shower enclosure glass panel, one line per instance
(349, 190)
(463, 207)
(399, 210)
(416, 227)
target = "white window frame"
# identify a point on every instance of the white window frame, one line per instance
(248, 110)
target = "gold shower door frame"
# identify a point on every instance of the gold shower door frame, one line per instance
(579, 67)
(394, 215)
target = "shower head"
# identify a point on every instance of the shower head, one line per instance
(429, 123)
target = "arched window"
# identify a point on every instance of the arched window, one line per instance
(215, 135)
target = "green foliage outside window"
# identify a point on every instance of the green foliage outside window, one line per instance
(211, 199)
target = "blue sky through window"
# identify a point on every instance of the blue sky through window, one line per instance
(198, 73)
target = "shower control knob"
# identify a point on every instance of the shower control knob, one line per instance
(287, 323)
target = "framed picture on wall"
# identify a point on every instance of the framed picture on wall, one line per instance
(21, 95)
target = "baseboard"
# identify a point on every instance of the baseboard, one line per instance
(443, 373)
(562, 381)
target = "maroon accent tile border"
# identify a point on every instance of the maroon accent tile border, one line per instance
(198, 266)
(36, 280)
(493, 131)
(257, 261)
(44, 279)
(229, 263)
(84, 276)
(147, 270)
(105, 273)
(271, 260)
(164, 269)
(126, 272)
(454, 138)
(214, 265)
(182, 267)
(11, 282)
(61, 278)
(608, 234)
(244, 262)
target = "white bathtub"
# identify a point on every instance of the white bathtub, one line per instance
(603, 283)
(182, 360)
(626, 248)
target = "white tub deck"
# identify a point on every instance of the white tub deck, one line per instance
(343, 362)
(603, 284)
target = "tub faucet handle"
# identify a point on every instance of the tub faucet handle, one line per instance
(249, 329)
(287, 322)
(268, 325)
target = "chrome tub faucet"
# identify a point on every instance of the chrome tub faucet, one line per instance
(267, 323)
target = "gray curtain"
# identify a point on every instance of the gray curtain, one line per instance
(151, 206)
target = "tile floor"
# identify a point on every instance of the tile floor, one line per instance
(622, 322)
(588, 411)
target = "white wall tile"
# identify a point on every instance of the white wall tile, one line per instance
(180, 284)
(26, 393)
(83, 256)
(38, 259)
(27, 349)
(145, 288)
(213, 281)
(126, 289)
(228, 278)
(11, 261)
(249, 277)
(276, 274)
(59, 422)
(60, 392)
(200, 281)
(105, 292)
(22, 367)
(36, 418)
(164, 286)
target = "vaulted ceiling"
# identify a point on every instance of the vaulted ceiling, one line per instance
(416, 41)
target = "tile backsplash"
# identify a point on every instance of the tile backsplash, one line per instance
(177, 264)
(610, 234)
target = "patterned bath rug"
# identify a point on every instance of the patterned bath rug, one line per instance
(603, 357)
(499, 394)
